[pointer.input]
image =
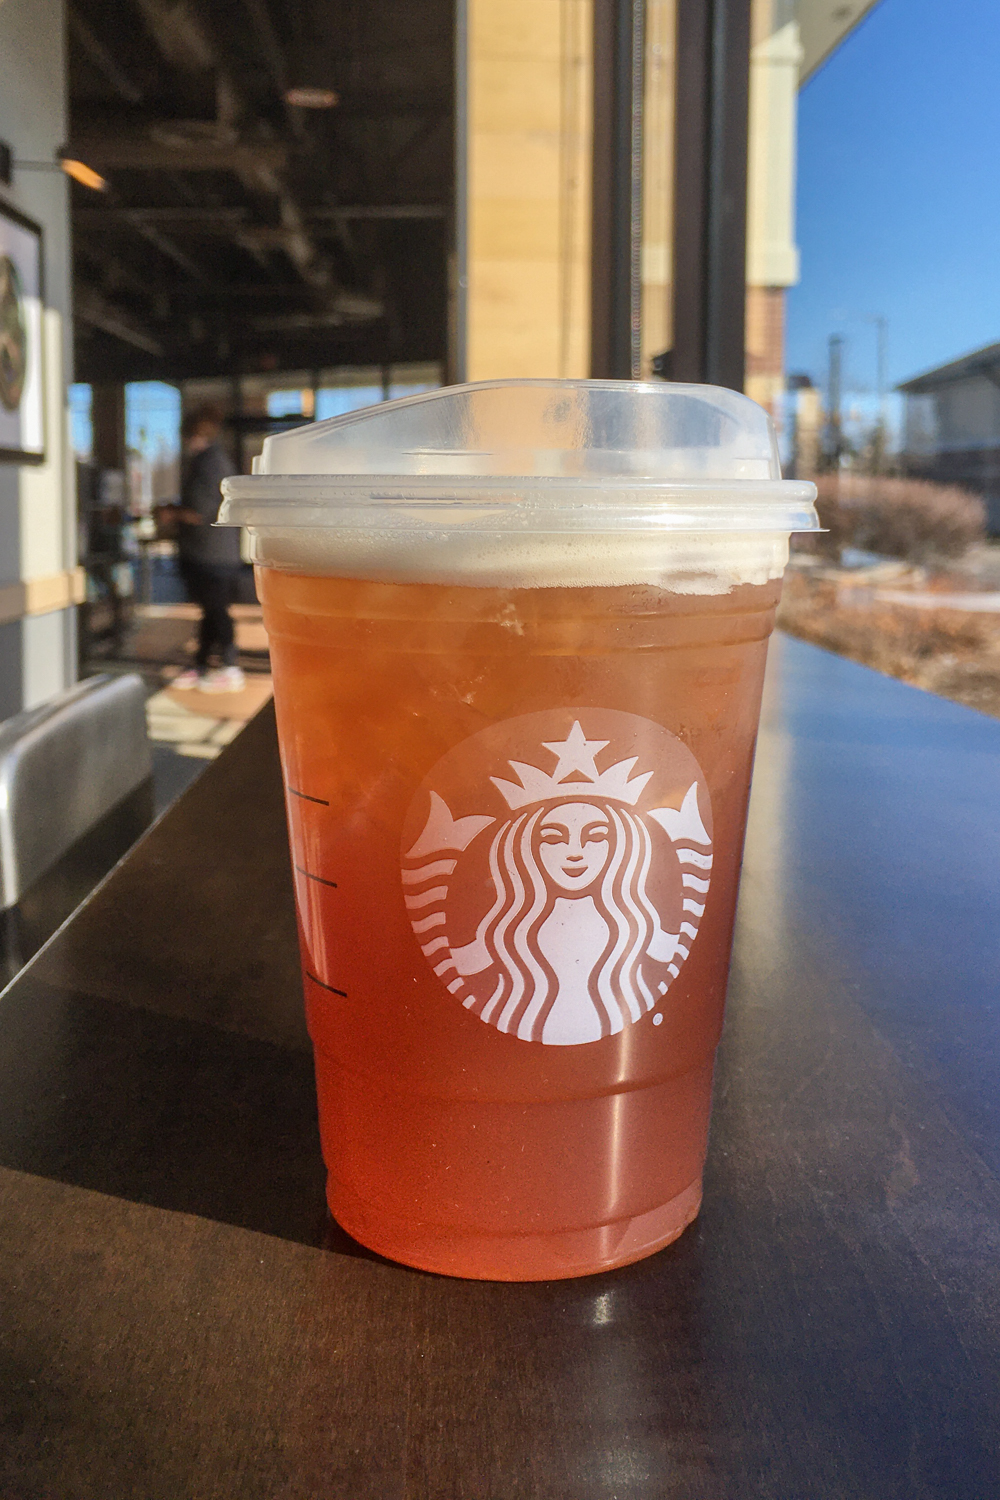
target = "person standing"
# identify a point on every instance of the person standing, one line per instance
(210, 561)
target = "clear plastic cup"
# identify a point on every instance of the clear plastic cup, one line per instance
(518, 634)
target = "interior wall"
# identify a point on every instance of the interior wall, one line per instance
(39, 578)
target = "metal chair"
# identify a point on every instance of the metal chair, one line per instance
(75, 793)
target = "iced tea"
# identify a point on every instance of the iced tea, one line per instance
(517, 818)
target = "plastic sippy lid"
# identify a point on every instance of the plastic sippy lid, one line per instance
(536, 456)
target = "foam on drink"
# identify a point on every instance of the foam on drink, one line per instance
(683, 562)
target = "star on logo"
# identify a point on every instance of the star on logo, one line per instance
(576, 753)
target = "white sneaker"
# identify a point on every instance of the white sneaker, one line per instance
(189, 679)
(223, 680)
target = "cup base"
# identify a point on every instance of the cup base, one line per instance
(516, 1257)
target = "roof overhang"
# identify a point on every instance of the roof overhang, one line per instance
(823, 25)
(985, 362)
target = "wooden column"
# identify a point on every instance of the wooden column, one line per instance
(521, 274)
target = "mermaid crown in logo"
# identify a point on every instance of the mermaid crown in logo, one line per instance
(573, 754)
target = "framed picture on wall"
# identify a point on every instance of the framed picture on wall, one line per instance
(22, 424)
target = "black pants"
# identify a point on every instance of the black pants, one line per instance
(213, 587)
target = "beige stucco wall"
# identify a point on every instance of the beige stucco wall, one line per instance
(656, 328)
(772, 254)
(529, 114)
(529, 138)
(529, 110)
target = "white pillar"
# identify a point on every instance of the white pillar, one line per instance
(39, 579)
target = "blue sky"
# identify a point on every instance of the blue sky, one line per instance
(152, 418)
(899, 191)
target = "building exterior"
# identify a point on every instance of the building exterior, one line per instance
(805, 420)
(790, 40)
(526, 192)
(951, 427)
(776, 58)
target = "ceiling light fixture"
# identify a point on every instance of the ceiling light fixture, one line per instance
(84, 175)
(308, 98)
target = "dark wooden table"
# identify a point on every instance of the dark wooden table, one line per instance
(180, 1321)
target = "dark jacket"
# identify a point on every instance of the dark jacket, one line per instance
(200, 491)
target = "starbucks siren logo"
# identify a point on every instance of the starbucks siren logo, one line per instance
(559, 907)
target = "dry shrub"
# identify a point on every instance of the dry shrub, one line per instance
(908, 518)
(901, 640)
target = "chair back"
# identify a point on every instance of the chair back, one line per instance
(63, 766)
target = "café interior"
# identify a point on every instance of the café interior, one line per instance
(242, 197)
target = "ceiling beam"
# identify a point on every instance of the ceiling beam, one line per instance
(183, 40)
(131, 151)
(352, 344)
(392, 103)
(276, 227)
(380, 211)
(291, 236)
(356, 310)
(166, 247)
(177, 31)
(273, 55)
(110, 273)
(260, 290)
(99, 219)
(103, 61)
(94, 309)
(199, 218)
(258, 168)
(229, 221)
(268, 42)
